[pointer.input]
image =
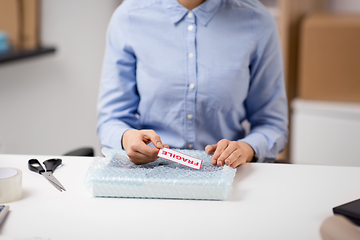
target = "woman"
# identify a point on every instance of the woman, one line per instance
(185, 74)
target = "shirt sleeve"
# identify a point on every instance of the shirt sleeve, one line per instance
(118, 97)
(266, 104)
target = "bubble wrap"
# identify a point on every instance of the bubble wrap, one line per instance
(116, 176)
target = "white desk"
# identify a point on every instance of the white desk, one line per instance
(268, 201)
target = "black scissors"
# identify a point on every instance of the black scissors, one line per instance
(50, 165)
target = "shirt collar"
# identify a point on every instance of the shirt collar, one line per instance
(203, 13)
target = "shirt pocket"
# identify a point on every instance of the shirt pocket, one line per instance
(228, 88)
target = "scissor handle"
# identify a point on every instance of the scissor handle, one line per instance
(52, 164)
(35, 166)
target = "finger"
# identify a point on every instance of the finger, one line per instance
(231, 147)
(239, 161)
(140, 153)
(144, 149)
(233, 157)
(221, 146)
(209, 149)
(147, 150)
(166, 146)
(154, 138)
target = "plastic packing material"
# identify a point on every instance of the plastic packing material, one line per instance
(116, 176)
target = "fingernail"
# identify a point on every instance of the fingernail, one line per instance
(159, 144)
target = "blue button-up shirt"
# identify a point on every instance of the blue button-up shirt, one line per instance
(194, 76)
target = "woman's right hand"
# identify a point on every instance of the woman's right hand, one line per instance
(135, 142)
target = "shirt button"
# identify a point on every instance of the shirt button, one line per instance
(191, 55)
(190, 15)
(192, 86)
(189, 116)
(190, 145)
(190, 27)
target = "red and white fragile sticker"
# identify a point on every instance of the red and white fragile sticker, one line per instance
(180, 158)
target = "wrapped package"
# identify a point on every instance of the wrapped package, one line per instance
(116, 176)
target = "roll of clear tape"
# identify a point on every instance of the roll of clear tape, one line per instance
(10, 184)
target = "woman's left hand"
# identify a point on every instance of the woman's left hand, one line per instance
(231, 153)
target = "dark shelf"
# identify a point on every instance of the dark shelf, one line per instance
(23, 54)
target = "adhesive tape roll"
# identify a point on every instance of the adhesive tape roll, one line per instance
(10, 184)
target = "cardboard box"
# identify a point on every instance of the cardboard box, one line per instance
(330, 58)
(10, 21)
(30, 24)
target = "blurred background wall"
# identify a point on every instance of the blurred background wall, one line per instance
(48, 103)
(344, 5)
(325, 113)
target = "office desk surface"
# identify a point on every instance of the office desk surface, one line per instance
(268, 201)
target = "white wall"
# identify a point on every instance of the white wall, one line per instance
(48, 103)
(325, 133)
